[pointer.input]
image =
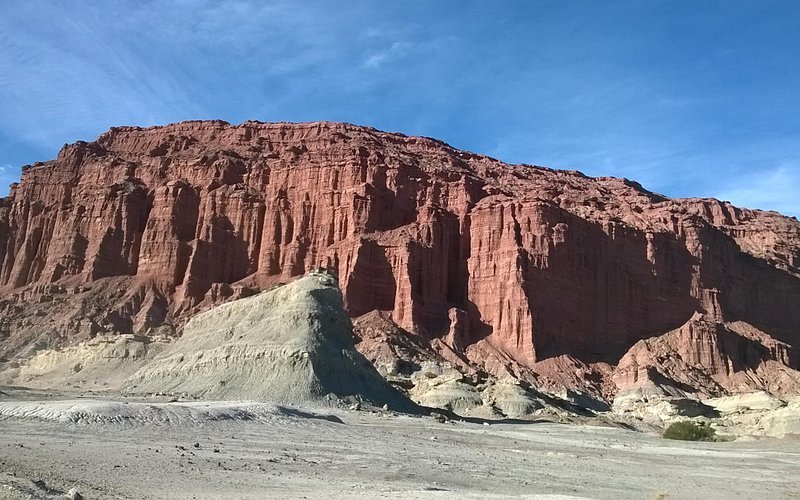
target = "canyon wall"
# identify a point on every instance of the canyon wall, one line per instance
(144, 227)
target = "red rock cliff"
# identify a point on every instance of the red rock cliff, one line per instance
(142, 227)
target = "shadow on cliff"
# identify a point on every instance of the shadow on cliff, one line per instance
(755, 291)
(222, 257)
(371, 285)
(747, 354)
(601, 290)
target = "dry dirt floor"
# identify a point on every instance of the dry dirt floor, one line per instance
(133, 449)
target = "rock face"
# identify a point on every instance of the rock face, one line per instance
(505, 267)
(711, 359)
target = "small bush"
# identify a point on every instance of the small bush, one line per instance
(689, 431)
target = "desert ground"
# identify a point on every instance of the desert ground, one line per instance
(51, 444)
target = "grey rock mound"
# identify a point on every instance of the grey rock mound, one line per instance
(293, 344)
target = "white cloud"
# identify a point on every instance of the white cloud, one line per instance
(775, 189)
(145, 64)
(392, 53)
(511, 89)
(8, 174)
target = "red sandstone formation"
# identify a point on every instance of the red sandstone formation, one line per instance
(511, 268)
(711, 358)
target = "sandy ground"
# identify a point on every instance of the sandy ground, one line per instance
(141, 450)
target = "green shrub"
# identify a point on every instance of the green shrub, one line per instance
(689, 431)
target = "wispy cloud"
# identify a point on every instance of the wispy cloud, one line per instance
(768, 189)
(627, 89)
(76, 77)
(8, 175)
(392, 53)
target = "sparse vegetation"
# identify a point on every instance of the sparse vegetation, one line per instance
(687, 430)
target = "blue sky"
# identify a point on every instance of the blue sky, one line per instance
(689, 98)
